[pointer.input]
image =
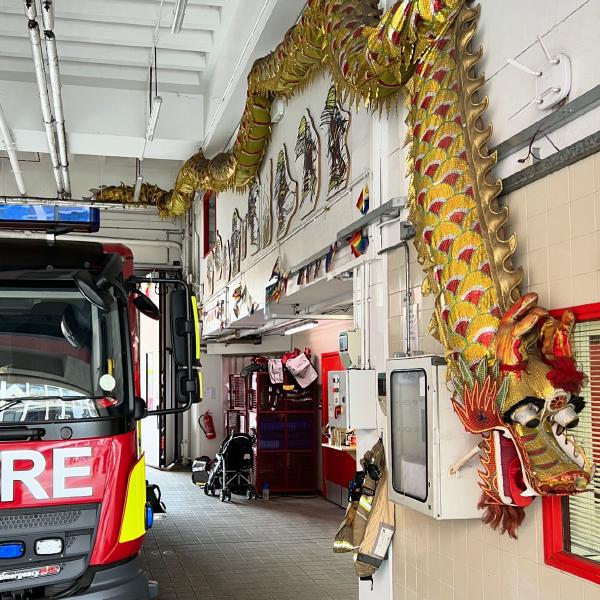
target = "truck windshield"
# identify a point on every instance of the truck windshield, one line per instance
(60, 357)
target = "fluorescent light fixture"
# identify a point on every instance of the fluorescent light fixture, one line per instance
(151, 129)
(302, 327)
(138, 188)
(178, 15)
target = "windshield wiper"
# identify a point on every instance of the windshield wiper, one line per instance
(62, 398)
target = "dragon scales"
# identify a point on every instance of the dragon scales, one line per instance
(515, 380)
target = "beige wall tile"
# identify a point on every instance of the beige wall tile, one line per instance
(583, 215)
(585, 288)
(537, 198)
(537, 263)
(543, 292)
(558, 188)
(527, 579)
(583, 254)
(559, 260)
(395, 306)
(561, 294)
(559, 224)
(394, 281)
(581, 178)
(537, 232)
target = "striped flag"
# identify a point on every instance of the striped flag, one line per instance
(363, 200)
(359, 243)
(329, 258)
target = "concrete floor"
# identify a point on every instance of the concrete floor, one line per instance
(279, 549)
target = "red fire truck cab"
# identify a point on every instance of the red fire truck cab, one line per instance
(74, 506)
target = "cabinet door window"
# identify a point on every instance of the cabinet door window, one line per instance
(409, 433)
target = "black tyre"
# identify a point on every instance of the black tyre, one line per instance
(207, 489)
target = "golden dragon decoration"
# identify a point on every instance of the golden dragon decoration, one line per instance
(515, 379)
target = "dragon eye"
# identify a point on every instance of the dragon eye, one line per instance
(566, 417)
(526, 415)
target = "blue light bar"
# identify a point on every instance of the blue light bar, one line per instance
(11, 550)
(44, 217)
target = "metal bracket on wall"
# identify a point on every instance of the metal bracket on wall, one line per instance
(559, 118)
(388, 210)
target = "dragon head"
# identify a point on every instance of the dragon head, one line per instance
(526, 407)
(543, 403)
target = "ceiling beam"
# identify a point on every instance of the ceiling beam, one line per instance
(126, 12)
(82, 70)
(112, 34)
(82, 52)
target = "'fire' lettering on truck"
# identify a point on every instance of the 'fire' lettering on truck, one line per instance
(64, 475)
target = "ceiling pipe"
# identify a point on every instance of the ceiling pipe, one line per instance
(54, 71)
(11, 150)
(40, 75)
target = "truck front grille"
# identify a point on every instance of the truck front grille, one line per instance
(62, 518)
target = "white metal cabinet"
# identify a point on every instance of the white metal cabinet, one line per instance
(425, 439)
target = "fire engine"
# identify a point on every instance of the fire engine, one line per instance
(74, 501)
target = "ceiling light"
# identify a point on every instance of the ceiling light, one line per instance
(150, 130)
(178, 16)
(302, 327)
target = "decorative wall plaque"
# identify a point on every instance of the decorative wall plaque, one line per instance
(308, 152)
(226, 262)
(266, 206)
(337, 122)
(253, 217)
(218, 255)
(244, 252)
(285, 192)
(210, 273)
(235, 244)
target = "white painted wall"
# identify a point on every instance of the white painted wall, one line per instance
(319, 230)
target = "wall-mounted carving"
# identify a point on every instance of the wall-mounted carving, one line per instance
(244, 252)
(218, 255)
(336, 120)
(285, 192)
(266, 206)
(253, 217)
(226, 261)
(235, 244)
(210, 273)
(308, 163)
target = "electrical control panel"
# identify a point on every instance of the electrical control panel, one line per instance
(353, 399)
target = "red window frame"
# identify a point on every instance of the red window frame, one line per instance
(205, 221)
(555, 554)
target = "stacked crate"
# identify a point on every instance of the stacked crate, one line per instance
(286, 445)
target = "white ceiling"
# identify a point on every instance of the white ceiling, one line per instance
(105, 50)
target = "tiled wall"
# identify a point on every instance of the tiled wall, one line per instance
(557, 220)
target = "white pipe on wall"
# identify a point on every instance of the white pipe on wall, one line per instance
(40, 75)
(11, 150)
(53, 69)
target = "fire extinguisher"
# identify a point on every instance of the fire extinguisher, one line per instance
(207, 425)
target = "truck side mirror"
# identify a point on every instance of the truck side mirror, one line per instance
(91, 292)
(146, 306)
(181, 325)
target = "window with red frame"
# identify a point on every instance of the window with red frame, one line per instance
(572, 525)
(209, 218)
